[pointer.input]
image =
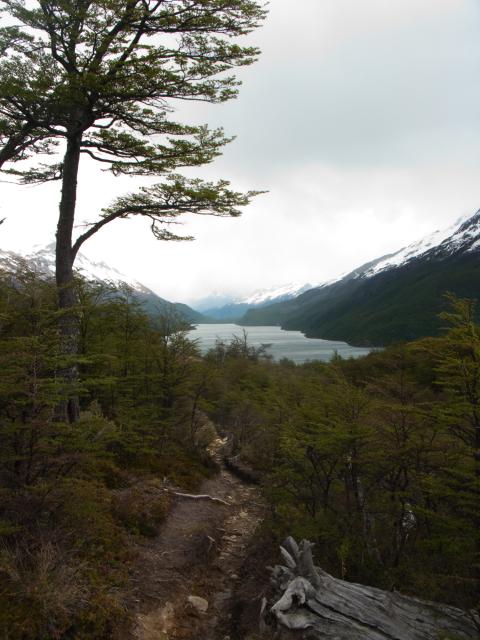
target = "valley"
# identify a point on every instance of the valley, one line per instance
(391, 299)
(239, 376)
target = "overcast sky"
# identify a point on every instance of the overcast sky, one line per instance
(361, 118)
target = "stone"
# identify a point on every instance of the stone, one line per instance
(199, 604)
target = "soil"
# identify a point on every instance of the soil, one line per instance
(201, 550)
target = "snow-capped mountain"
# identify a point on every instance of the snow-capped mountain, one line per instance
(215, 300)
(395, 297)
(228, 309)
(463, 235)
(42, 260)
(276, 294)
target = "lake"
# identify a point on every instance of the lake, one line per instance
(284, 344)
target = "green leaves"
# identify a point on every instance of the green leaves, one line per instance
(39, 175)
(366, 458)
(107, 75)
(133, 154)
(103, 53)
(179, 195)
(458, 367)
(163, 203)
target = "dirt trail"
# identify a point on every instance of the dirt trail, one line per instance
(198, 552)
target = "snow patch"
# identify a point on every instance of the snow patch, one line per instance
(43, 260)
(280, 292)
(447, 241)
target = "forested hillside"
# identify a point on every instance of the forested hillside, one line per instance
(376, 460)
(393, 299)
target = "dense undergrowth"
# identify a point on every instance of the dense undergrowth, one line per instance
(376, 459)
(73, 497)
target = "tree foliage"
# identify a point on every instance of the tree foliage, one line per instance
(104, 78)
(101, 79)
(72, 495)
(373, 459)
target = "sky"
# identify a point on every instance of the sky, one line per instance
(361, 119)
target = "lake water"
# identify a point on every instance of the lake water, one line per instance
(284, 344)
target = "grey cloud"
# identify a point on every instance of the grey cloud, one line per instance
(404, 94)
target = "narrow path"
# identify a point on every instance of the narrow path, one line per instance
(198, 552)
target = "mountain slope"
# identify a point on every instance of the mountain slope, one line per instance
(43, 261)
(394, 298)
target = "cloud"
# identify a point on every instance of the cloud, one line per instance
(316, 223)
(365, 83)
(362, 120)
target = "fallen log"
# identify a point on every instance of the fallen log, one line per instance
(239, 469)
(192, 496)
(310, 603)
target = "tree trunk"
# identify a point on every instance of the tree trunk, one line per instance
(309, 603)
(67, 298)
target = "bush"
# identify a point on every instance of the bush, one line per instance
(42, 590)
(141, 508)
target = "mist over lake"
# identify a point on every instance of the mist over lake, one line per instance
(284, 344)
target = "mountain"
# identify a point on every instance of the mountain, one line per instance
(394, 298)
(215, 300)
(230, 310)
(42, 260)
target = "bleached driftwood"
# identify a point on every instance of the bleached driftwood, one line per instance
(192, 496)
(320, 606)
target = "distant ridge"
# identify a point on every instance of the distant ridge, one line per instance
(232, 309)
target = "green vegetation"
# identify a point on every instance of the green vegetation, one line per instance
(73, 495)
(376, 459)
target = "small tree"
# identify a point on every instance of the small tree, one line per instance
(459, 372)
(458, 369)
(100, 78)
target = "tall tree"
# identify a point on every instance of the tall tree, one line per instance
(458, 368)
(101, 78)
